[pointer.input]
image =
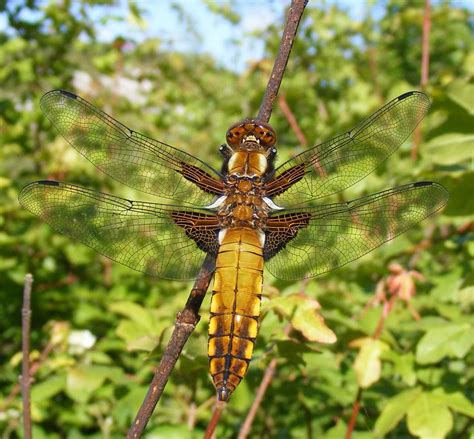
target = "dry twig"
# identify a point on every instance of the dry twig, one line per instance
(25, 372)
(186, 321)
(294, 16)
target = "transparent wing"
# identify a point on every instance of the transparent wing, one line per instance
(129, 157)
(308, 242)
(144, 236)
(339, 163)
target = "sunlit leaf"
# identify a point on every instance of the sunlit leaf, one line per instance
(368, 364)
(450, 340)
(395, 410)
(428, 417)
(462, 93)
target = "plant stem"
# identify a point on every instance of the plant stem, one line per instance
(425, 65)
(355, 412)
(290, 117)
(186, 321)
(211, 428)
(25, 373)
(262, 388)
(294, 16)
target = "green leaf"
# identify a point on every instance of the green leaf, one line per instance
(459, 204)
(83, 380)
(462, 93)
(450, 148)
(136, 336)
(136, 313)
(429, 418)
(368, 364)
(312, 326)
(46, 389)
(450, 340)
(404, 366)
(395, 410)
(302, 312)
(455, 401)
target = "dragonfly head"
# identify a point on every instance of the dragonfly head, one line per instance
(251, 135)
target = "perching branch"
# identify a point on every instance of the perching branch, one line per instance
(186, 321)
(294, 16)
(25, 372)
(188, 318)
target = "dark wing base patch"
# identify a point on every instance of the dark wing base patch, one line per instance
(202, 229)
(282, 229)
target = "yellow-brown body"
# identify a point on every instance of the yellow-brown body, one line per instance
(237, 290)
(235, 308)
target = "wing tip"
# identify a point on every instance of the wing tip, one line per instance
(410, 93)
(24, 191)
(59, 91)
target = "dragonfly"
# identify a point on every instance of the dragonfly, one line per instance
(247, 215)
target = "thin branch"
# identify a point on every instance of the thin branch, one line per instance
(290, 117)
(33, 369)
(425, 51)
(425, 65)
(372, 54)
(186, 321)
(211, 428)
(25, 372)
(355, 412)
(262, 389)
(294, 16)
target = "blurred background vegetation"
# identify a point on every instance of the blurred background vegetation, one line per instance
(98, 328)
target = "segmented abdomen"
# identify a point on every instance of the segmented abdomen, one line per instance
(235, 308)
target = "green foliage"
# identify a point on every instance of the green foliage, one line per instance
(417, 377)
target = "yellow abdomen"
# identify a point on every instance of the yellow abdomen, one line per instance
(235, 308)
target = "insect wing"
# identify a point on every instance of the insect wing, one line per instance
(131, 158)
(344, 160)
(309, 242)
(147, 237)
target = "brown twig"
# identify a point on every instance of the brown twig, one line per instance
(425, 52)
(372, 54)
(25, 372)
(211, 428)
(294, 16)
(262, 389)
(33, 369)
(355, 412)
(425, 65)
(186, 321)
(290, 117)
